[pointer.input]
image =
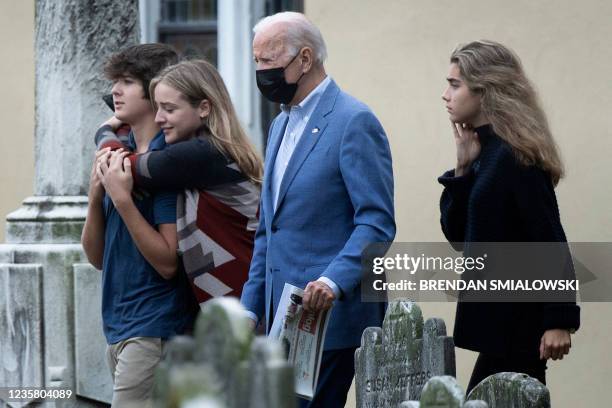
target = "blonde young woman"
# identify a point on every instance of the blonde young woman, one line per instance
(209, 159)
(502, 190)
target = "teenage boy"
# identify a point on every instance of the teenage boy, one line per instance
(132, 237)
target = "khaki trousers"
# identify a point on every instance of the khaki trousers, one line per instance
(132, 363)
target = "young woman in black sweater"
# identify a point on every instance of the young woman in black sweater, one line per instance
(502, 190)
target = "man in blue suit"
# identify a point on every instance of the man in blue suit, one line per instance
(327, 194)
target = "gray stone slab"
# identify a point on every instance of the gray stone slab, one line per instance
(395, 361)
(6, 255)
(47, 219)
(223, 337)
(269, 375)
(515, 390)
(178, 353)
(442, 391)
(93, 378)
(57, 352)
(476, 404)
(58, 315)
(224, 364)
(21, 342)
(202, 402)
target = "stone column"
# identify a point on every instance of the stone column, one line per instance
(73, 38)
(41, 264)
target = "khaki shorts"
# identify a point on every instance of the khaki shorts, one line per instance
(132, 363)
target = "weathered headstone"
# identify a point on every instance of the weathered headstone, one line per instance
(501, 390)
(202, 402)
(223, 339)
(515, 390)
(266, 379)
(476, 404)
(224, 365)
(410, 404)
(394, 362)
(442, 392)
(94, 377)
(178, 352)
(20, 318)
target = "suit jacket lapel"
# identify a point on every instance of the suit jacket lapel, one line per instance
(312, 133)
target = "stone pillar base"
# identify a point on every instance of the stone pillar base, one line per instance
(47, 220)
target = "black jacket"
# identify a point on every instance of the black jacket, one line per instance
(500, 200)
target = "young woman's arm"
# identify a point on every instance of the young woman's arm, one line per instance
(194, 163)
(535, 197)
(453, 206)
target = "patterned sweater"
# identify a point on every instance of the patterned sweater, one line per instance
(217, 211)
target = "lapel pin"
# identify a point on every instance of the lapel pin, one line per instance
(315, 130)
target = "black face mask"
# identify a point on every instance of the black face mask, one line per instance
(273, 85)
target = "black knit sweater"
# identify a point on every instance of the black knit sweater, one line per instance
(500, 200)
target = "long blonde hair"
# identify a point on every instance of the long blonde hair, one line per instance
(197, 80)
(509, 102)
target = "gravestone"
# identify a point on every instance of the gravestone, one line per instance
(21, 320)
(266, 379)
(443, 392)
(94, 379)
(501, 390)
(224, 365)
(410, 404)
(394, 362)
(475, 404)
(515, 390)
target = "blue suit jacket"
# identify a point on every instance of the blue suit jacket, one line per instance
(336, 197)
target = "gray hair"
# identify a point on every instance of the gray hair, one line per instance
(300, 32)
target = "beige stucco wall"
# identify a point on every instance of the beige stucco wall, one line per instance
(393, 55)
(16, 105)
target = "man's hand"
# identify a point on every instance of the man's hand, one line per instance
(116, 177)
(555, 344)
(96, 189)
(113, 122)
(317, 296)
